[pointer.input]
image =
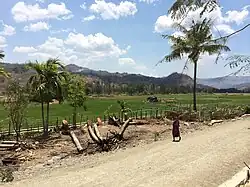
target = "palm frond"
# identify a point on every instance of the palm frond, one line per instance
(214, 48)
(181, 8)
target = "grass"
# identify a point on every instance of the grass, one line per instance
(97, 106)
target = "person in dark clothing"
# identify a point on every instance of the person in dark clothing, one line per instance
(176, 130)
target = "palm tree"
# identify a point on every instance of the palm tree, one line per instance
(195, 41)
(47, 82)
(180, 8)
(2, 72)
(36, 83)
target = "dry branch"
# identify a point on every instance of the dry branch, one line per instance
(76, 141)
(123, 128)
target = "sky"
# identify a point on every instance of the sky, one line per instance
(112, 35)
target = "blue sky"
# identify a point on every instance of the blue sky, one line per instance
(118, 36)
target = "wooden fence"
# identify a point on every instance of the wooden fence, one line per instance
(34, 125)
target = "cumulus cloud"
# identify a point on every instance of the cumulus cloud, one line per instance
(131, 66)
(89, 18)
(237, 17)
(39, 26)
(24, 49)
(165, 22)
(126, 61)
(110, 10)
(148, 1)
(23, 12)
(76, 48)
(8, 30)
(3, 42)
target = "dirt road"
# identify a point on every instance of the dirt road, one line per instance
(203, 158)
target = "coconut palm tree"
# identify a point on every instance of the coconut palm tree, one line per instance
(180, 8)
(2, 72)
(196, 41)
(47, 83)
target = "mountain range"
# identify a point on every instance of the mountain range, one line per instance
(173, 80)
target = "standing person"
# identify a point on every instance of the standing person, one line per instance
(176, 130)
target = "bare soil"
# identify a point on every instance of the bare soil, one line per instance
(205, 157)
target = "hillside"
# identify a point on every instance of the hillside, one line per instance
(238, 82)
(126, 82)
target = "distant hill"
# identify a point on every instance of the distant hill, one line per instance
(238, 82)
(174, 81)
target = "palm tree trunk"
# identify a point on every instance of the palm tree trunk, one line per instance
(42, 106)
(47, 122)
(194, 87)
(74, 117)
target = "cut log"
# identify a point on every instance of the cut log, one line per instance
(99, 122)
(92, 134)
(76, 141)
(97, 132)
(123, 128)
(8, 146)
(9, 142)
(65, 127)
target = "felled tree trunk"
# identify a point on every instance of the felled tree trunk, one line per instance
(123, 128)
(97, 133)
(92, 134)
(76, 141)
(99, 122)
(65, 127)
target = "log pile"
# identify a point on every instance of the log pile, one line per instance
(108, 142)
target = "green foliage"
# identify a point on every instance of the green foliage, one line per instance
(16, 104)
(124, 107)
(76, 91)
(75, 94)
(46, 84)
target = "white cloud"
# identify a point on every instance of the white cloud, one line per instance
(148, 1)
(131, 66)
(224, 28)
(83, 6)
(39, 26)
(126, 61)
(237, 17)
(3, 42)
(8, 30)
(109, 10)
(89, 18)
(165, 22)
(24, 50)
(23, 12)
(76, 48)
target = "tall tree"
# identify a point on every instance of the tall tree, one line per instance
(75, 94)
(16, 104)
(47, 82)
(196, 41)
